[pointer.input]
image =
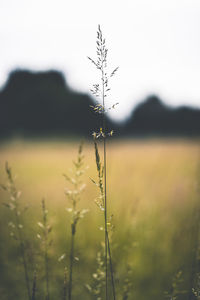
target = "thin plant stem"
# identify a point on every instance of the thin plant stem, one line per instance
(102, 92)
(71, 263)
(74, 197)
(22, 250)
(46, 260)
(107, 243)
(111, 268)
(13, 204)
(33, 297)
(105, 185)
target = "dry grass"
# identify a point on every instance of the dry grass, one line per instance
(152, 190)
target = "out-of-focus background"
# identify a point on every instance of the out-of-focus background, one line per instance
(153, 156)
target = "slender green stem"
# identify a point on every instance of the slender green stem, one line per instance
(111, 268)
(14, 193)
(105, 182)
(74, 197)
(101, 65)
(71, 263)
(105, 220)
(46, 260)
(107, 243)
(22, 250)
(47, 274)
(34, 286)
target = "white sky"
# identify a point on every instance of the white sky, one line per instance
(156, 44)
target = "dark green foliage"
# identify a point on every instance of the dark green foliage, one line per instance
(153, 117)
(37, 104)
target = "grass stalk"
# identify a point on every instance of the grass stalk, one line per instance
(105, 181)
(46, 259)
(74, 196)
(13, 205)
(22, 251)
(111, 269)
(102, 92)
(46, 243)
(71, 263)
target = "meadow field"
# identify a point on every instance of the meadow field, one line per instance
(153, 195)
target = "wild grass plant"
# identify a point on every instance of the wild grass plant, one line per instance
(101, 92)
(16, 224)
(98, 277)
(154, 236)
(74, 196)
(176, 289)
(46, 241)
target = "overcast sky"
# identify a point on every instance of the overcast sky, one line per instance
(156, 44)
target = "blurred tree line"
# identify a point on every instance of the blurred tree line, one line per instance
(41, 103)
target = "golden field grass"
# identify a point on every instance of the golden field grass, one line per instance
(152, 193)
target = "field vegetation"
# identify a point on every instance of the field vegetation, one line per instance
(153, 192)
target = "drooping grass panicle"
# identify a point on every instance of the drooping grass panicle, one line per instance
(16, 224)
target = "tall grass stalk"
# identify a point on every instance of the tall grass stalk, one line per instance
(46, 242)
(100, 202)
(101, 91)
(73, 196)
(17, 227)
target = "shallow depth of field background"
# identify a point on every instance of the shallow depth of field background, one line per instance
(153, 183)
(152, 193)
